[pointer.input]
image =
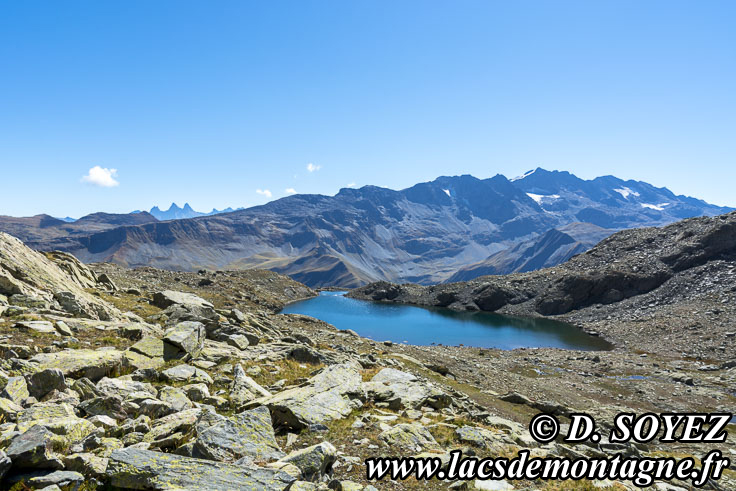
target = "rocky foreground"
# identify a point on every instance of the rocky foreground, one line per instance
(145, 379)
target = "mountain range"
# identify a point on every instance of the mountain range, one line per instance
(176, 213)
(448, 229)
(173, 213)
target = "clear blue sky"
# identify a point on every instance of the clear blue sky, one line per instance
(208, 102)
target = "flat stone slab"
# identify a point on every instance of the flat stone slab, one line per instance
(38, 326)
(93, 364)
(133, 468)
(168, 298)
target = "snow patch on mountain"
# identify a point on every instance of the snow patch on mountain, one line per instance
(539, 197)
(527, 174)
(626, 192)
(659, 207)
(447, 192)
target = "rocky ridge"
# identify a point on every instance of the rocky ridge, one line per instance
(423, 234)
(195, 387)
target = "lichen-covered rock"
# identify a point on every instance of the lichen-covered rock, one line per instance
(404, 390)
(133, 468)
(240, 379)
(106, 423)
(44, 327)
(238, 341)
(244, 389)
(178, 422)
(65, 479)
(314, 461)
(16, 390)
(86, 463)
(187, 336)
(478, 437)
(196, 392)
(125, 387)
(32, 450)
(186, 373)
(111, 406)
(67, 430)
(168, 298)
(44, 381)
(154, 408)
(85, 388)
(69, 302)
(154, 347)
(64, 329)
(92, 364)
(175, 398)
(249, 434)
(142, 362)
(46, 410)
(9, 410)
(412, 436)
(325, 397)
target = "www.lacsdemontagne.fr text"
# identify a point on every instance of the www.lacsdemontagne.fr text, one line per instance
(641, 471)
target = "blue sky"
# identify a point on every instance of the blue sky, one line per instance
(208, 102)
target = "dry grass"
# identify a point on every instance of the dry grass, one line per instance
(290, 370)
(130, 303)
(369, 373)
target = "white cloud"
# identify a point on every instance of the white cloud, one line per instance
(264, 192)
(313, 168)
(101, 176)
(290, 191)
(351, 185)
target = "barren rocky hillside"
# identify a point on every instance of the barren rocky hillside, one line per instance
(194, 381)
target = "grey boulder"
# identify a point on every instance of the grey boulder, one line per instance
(404, 390)
(187, 336)
(314, 461)
(32, 450)
(325, 397)
(249, 434)
(43, 382)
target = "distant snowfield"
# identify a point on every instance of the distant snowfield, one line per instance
(659, 207)
(626, 192)
(447, 192)
(539, 197)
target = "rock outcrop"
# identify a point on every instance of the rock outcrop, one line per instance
(58, 279)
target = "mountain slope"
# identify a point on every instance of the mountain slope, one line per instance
(422, 234)
(48, 233)
(554, 247)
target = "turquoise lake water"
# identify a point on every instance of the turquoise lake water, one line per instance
(426, 326)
